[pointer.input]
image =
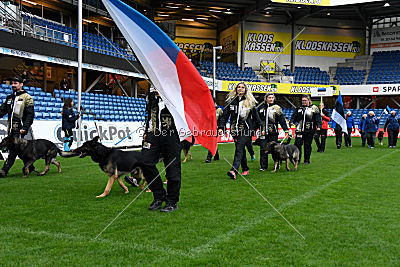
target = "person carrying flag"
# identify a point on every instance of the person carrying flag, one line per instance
(339, 121)
(161, 138)
(392, 127)
(269, 115)
(307, 119)
(240, 109)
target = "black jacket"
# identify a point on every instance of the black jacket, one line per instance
(306, 119)
(157, 120)
(68, 119)
(26, 111)
(237, 124)
(275, 117)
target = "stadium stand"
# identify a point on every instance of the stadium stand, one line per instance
(228, 72)
(55, 32)
(385, 68)
(308, 75)
(105, 107)
(349, 76)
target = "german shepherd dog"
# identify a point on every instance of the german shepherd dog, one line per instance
(31, 150)
(186, 145)
(114, 162)
(284, 152)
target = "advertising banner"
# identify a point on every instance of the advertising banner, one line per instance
(110, 133)
(279, 88)
(329, 46)
(191, 45)
(386, 38)
(371, 89)
(267, 42)
(229, 40)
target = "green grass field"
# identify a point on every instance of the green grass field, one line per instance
(346, 204)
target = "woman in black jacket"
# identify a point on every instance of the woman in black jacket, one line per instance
(68, 122)
(239, 107)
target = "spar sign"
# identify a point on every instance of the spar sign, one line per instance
(266, 42)
(329, 46)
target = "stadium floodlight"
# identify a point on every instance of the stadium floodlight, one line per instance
(215, 48)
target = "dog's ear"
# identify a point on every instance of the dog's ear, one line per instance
(96, 139)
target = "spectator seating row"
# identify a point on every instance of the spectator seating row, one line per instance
(349, 76)
(308, 75)
(385, 68)
(228, 71)
(95, 106)
(64, 35)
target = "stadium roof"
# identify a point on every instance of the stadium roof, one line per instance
(234, 10)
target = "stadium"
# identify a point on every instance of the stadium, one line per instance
(337, 208)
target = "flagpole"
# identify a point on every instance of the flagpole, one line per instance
(80, 33)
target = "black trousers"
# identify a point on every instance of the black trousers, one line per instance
(263, 155)
(323, 133)
(169, 147)
(363, 138)
(339, 138)
(371, 139)
(392, 137)
(347, 138)
(306, 139)
(209, 155)
(250, 149)
(12, 155)
(240, 153)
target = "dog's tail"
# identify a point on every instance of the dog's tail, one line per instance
(67, 154)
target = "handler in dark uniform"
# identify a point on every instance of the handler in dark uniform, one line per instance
(268, 116)
(307, 119)
(20, 110)
(240, 109)
(161, 137)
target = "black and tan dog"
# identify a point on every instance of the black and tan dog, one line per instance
(186, 145)
(282, 152)
(114, 162)
(31, 150)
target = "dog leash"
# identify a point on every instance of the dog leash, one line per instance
(284, 139)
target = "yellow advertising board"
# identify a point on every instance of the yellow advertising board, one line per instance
(278, 88)
(304, 2)
(267, 67)
(195, 45)
(229, 39)
(329, 46)
(267, 42)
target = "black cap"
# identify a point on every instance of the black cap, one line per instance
(16, 79)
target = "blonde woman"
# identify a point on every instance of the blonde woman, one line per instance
(240, 109)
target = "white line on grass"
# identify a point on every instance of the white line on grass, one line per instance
(141, 192)
(266, 200)
(64, 236)
(194, 252)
